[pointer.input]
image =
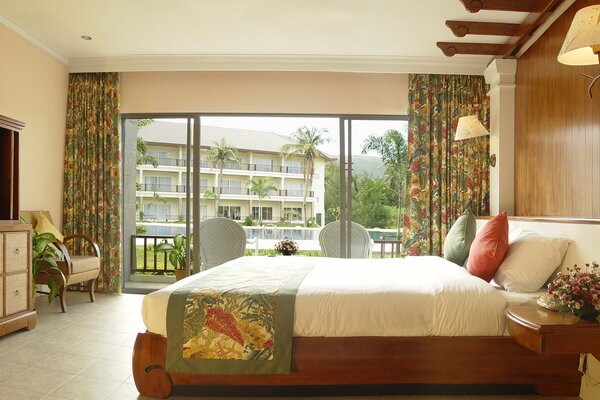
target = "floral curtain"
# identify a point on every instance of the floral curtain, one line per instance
(444, 177)
(92, 188)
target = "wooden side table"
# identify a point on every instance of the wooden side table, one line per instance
(550, 332)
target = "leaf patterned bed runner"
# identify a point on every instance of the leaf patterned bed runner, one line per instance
(236, 319)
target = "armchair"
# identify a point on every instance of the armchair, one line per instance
(76, 268)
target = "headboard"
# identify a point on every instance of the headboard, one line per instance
(583, 233)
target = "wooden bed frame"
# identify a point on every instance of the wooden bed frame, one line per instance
(333, 361)
(321, 361)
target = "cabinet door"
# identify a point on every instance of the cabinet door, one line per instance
(16, 293)
(16, 251)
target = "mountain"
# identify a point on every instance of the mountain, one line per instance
(370, 165)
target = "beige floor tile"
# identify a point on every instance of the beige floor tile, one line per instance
(69, 363)
(109, 337)
(120, 353)
(9, 369)
(125, 391)
(83, 387)
(26, 355)
(108, 369)
(12, 393)
(38, 380)
(90, 348)
(17, 339)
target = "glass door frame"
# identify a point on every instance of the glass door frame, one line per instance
(193, 196)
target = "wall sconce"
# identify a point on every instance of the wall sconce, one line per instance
(470, 127)
(582, 43)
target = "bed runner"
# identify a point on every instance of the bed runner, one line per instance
(237, 319)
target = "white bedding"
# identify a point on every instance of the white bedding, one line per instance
(414, 296)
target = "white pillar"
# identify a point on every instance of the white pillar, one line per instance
(500, 75)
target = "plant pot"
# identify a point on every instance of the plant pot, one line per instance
(180, 274)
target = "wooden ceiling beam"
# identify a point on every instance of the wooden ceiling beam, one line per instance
(487, 49)
(533, 21)
(528, 6)
(463, 28)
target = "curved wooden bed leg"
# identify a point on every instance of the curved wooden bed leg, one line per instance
(149, 358)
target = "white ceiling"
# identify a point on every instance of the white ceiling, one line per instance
(378, 35)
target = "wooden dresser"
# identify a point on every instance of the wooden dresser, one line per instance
(16, 301)
(16, 294)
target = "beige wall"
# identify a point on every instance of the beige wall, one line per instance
(264, 92)
(33, 89)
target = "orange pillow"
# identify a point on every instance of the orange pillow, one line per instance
(489, 247)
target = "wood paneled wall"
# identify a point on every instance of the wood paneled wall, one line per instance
(557, 131)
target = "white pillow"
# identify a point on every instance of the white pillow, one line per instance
(529, 262)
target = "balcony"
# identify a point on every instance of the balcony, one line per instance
(154, 187)
(180, 162)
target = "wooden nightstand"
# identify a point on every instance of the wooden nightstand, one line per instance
(550, 332)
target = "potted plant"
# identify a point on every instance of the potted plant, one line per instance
(176, 254)
(287, 247)
(577, 291)
(44, 256)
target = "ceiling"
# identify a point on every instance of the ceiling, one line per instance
(353, 35)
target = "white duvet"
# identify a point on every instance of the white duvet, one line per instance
(414, 296)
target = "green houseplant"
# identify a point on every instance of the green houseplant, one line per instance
(44, 255)
(176, 254)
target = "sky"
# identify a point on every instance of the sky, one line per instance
(287, 125)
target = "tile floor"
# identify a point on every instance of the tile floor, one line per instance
(85, 354)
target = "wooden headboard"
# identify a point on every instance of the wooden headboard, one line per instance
(583, 233)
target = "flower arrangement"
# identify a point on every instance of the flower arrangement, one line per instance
(577, 291)
(286, 247)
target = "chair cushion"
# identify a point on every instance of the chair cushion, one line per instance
(85, 263)
(45, 226)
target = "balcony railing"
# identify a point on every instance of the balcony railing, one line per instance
(158, 187)
(180, 162)
(145, 260)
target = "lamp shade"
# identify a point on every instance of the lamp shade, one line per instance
(582, 43)
(469, 127)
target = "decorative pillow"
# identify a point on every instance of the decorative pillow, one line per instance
(489, 247)
(459, 238)
(43, 226)
(530, 261)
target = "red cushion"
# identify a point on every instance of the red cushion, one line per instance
(489, 247)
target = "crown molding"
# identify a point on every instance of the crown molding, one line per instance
(271, 63)
(33, 40)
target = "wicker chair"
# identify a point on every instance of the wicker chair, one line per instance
(221, 240)
(77, 268)
(329, 240)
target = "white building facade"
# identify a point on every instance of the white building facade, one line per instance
(161, 190)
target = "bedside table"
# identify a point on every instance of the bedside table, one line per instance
(550, 332)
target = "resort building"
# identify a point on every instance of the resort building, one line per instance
(161, 188)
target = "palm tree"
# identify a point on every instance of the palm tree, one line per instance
(391, 147)
(261, 187)
(306, 146)
(219, 154)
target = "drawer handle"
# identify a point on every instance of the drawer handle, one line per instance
(17, 292)
(17, 251)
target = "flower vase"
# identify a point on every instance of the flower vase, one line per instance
(587, 312)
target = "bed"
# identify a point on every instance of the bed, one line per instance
(452, 343)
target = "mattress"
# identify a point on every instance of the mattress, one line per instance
(414, 296)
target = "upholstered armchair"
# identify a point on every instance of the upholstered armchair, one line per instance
(77, 268)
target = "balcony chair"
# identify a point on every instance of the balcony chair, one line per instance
(221, 240)
(76, 268)
(360, 246)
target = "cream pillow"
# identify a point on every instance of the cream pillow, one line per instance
(43, 226)
(529, 262)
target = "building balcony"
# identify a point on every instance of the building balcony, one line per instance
(241, 167)
(158, 188)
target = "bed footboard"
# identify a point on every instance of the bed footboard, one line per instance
(379, 361)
